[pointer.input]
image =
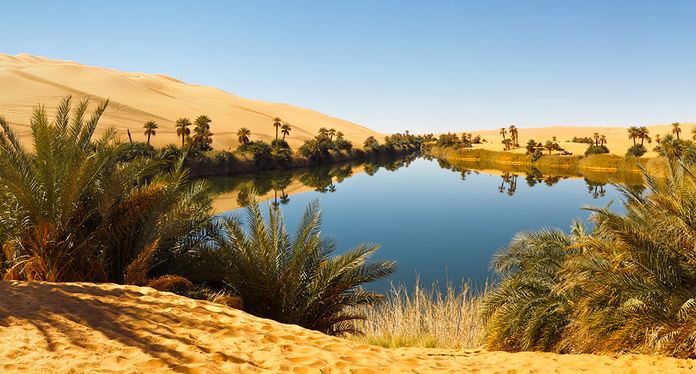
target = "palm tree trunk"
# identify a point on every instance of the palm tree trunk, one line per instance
(182, 140)
(276, 132)
(148, 139)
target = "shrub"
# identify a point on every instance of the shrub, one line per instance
(596, 150)
(344, 145)
(259, 150)
(131, 151)
(371, 144)
(72, 211)
(448, 140)
(636, 150)
(523, 312)
(628, 286)
(294, 279)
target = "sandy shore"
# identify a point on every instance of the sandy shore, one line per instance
(82, 327)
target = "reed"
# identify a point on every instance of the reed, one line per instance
(424, 317)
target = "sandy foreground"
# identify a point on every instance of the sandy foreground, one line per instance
(83, 327)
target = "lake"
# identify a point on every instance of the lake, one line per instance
(439, 221)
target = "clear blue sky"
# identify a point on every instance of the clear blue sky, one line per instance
(394, 65)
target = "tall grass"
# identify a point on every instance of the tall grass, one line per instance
(424, 317)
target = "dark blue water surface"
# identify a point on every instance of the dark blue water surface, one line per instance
(438, 225)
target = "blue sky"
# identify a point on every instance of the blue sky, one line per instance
(395, 65)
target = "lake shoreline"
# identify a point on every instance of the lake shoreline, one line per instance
(206, 167)
(603, 166)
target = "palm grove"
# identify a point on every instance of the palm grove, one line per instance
(84, 208)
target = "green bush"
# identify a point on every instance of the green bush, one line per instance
(259, 150)
(636, 150)
(596, 150)
(294, 279)
(73, 210)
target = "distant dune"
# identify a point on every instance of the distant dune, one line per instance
(28, 80)
(617, 137)
(107, 328)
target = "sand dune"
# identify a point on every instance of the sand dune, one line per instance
(617, 137)
(83, 327)
(28, 80)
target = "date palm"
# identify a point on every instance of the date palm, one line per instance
(522, 312)
(285, 130)
(71, 211)
(150, 129)
(676, 129)
(633, 134)
(331, 133)
(243, 135)
(295, 279)
(277, 125)
(182, 129)
(202, 137)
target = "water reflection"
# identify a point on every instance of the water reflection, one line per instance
(438, 220)
(596, 181)
(278, 185)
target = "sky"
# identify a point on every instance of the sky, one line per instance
(425, 66)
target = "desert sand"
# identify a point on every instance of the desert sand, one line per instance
(107, 328)
(135, 98)
(617, 137)
(138, 97)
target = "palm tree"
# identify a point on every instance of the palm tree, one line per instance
(633, 133)
(339, 136)
(277, 125)
(503, 132)
(71, 210)
(150, 129)
(285, 130)
(202, 137)
(243, 135)
(507, 143)
(596, 138)
(513, 135)
(657, 138)
(603, 139)
(676, 130)
(323, 132)
(294, 279)
(331, 133)
(522, 313)
(643, 134)
(182, 129)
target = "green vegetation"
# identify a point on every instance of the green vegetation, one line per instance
(294, 279)
(626, 286)
(80, 208)
(72, 210)
(636, 150)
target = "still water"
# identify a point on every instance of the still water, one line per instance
(440, 222)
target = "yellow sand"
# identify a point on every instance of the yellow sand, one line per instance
(617, 137)
(28, 80)
(83, 327)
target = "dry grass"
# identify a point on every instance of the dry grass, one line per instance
(424, 317)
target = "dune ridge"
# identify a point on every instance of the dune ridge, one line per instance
(108, 328)
(135, 98)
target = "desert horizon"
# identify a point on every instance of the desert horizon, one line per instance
(347, 187)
